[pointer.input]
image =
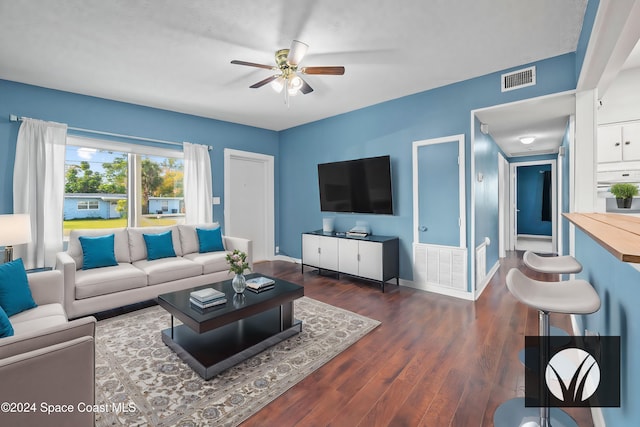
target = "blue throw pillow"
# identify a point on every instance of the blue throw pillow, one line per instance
(15, 295)
(210, 240)
(159, 245)
(98, 251)
(6, 330)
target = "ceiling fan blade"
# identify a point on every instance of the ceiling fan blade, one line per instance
(253, 64)
(333, 71)
(263, 82)
(305, 89)
(296, 52)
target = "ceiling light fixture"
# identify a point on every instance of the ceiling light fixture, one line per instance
(527, 139)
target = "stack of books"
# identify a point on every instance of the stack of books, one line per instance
(259, 284)
(208, 297)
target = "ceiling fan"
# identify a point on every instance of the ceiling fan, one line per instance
(287, 61)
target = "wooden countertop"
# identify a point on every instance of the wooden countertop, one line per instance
(618, 233)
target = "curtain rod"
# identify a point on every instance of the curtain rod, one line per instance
(14, 118)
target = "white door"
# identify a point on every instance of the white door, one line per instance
(503, 207)
(248, 200)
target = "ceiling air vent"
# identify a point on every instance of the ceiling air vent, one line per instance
(518, 79)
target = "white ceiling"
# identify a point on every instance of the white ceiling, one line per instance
(544, 118)
(175, 54)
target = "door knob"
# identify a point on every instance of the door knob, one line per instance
(422, 228)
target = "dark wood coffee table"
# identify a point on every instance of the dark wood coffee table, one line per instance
(217, 338)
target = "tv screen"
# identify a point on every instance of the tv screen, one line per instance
(356, 186)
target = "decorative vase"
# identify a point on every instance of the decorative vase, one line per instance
(239, 283)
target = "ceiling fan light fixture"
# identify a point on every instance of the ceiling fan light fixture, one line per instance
(278, 84)
(527, 139)
(297, 52)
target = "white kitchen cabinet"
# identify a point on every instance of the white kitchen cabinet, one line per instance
(618, 143)
(372, 257)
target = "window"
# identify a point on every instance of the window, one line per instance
(111, 184)
(86, 205)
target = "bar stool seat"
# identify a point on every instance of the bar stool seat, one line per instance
(568, 297)
(565, 264)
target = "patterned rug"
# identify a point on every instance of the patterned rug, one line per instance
(141, 382)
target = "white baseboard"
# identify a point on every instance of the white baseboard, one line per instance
(438, 290)
(286, 258)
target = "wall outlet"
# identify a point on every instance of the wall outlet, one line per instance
(277, 249)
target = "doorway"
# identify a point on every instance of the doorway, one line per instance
(534, 206)
(249, 200)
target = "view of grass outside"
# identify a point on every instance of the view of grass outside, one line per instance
(80, 224)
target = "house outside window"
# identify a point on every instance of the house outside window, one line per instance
(113, 184)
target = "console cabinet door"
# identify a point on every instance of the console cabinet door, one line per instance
(311, 250)
(370, 260)
(328, 253)
(348, 256)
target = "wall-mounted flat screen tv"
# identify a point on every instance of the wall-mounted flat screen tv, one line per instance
(356, 186)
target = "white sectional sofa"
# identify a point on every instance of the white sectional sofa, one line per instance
(136, 278)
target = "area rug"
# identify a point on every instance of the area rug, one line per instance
(141, 382)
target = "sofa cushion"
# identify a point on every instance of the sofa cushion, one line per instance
(168, 269)
(138, 247)
(15, 294)
(41, 317)
(210, 240)
(6, 330)
(107, 280)
(159, 245)
(189, 237)
(211, 262)
(97, 251)
(120, 244)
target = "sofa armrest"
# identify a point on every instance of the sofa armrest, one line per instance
(14, 345)
(66, 264)
(244, 245)
(61, 374)
(46, 287)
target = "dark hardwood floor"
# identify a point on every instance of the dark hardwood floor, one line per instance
(434, 361)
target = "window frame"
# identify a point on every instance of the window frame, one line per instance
(134, 153)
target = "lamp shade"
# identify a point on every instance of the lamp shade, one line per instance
(15, 229)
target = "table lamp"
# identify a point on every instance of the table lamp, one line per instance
(15, 229)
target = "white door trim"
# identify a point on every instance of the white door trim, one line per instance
(554, 200)
(503, 206)
(268, 183)
(461, 177)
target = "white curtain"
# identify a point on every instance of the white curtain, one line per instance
(38, 189)
(197, 184)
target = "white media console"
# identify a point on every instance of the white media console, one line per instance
(372, 257)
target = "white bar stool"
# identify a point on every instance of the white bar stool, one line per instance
(564, 264)
(568, 297)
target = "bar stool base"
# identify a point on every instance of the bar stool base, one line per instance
(513, 413)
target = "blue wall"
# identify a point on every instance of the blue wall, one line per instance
(390, 128)
(486, 155)
(530, 192)
(617, 283)
(122, 118)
